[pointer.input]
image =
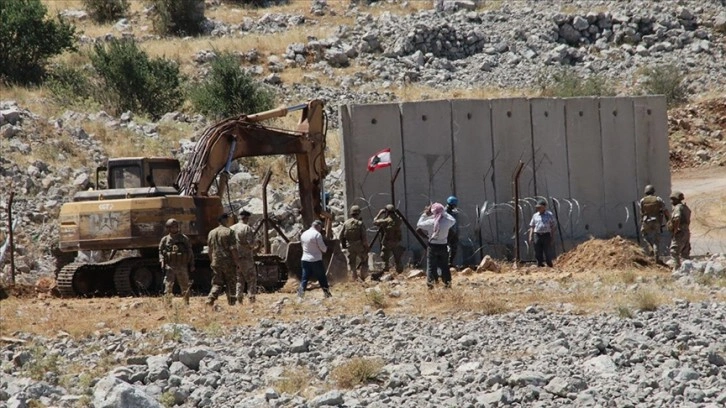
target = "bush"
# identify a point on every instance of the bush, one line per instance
(69, 84)
(666, 80)
(28, 39)
(178, 17)
(228, 90)
(103, 11)
(141, 84)
(357, 371)
(567, 83)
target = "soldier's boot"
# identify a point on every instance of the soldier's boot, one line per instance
(186, 297)
(252, 299)
(327, 294)
(167, 299)
(209, 302)
(231, 301)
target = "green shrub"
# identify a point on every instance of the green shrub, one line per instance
(567, 83)
(228, 90)
(665, 80)
(28, 39)
(69, 84)
(178, 17)
(141, 84)
(103, 11)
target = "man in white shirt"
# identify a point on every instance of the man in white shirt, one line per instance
(313, 247)
(541, 233)
(436, 222)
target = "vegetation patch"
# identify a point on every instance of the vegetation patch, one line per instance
(357, 371)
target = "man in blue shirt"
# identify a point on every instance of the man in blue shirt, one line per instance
(541, 233)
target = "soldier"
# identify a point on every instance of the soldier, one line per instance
(679, 228)
(223, 256)
(652, 213)
(389, 224)
(353, 237)
(177, 260)
(246, 244)
(452, 209)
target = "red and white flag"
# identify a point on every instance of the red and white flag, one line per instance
(380, 160)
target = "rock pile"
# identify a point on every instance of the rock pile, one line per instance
(674, 356)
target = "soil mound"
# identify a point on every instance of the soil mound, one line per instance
(613, 253)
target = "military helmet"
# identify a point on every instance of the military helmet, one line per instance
(354, 210)
(677, 195)
(452, 200)
(649, 189)
(172, 222)
(390, 207)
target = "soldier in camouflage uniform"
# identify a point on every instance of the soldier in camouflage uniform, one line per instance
(389, 224)
(223, 255)
(353, 237)
(177, 260)
(652, 213)
(246, 243)
(679, 228)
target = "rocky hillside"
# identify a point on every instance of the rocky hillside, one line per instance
(374, 52)
(670, 357)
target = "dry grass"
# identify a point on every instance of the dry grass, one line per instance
(419, 92)
(357, 371)
(293, 381)
(480, 294)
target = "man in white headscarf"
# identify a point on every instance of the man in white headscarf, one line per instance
(436, 222)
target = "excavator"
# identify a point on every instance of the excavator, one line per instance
(125, 220)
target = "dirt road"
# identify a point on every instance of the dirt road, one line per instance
(705, 192)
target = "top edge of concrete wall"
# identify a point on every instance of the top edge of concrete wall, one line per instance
(529, 98)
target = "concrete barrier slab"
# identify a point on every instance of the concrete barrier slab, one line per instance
(367, 129)
(617, 126)
(552, 181)
(512, 142)
(651, 144)
(474, 175)
(585, 161)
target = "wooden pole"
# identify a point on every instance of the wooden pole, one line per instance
(515, 187)
(10, 237)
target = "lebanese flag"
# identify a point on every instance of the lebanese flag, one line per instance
(380, 160)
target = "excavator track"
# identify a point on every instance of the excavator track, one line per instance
(136, 276)
(85, 279)
(123, 276)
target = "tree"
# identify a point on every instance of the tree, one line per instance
(28, 39)
(145, 85)
(228, 90)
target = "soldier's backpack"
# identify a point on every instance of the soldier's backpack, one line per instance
(651, 206)
(352, 232)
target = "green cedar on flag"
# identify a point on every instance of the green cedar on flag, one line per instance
(380, 160)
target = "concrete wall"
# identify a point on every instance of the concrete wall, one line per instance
(590, 157)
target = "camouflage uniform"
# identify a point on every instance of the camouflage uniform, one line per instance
(246, 271)
(652, 210)
(177, 260)
(353, 237)
(681, 239)
(222, 253)
(390, 225)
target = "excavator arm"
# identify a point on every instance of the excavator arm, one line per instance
(244, 136)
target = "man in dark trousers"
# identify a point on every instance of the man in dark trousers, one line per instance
(542, 233)
(313, 267)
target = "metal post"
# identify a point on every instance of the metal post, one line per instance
(515, 186)
(265, 220)
(10, 237)
(393, 184)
